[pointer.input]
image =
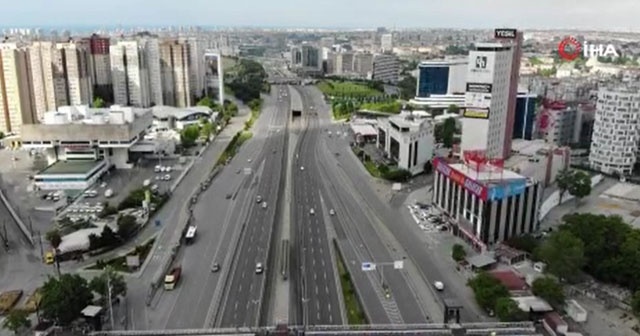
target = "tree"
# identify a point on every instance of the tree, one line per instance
(526, 243)
(487, 290)
(507, 310)
(98, 102)
(63, 298)
(549, 289)
(407, 86)
(207, 129)
(189, 135)
(580, 185)
(458, 253)
(54, 238)
(109, 277)
(126, 226)
(564, 254)
(453, 108)
(16, 320)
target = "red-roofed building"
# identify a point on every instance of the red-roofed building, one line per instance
(514, 282)
(554, 324)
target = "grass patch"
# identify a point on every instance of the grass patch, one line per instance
(233, 147)
(388, 107)
(120, 263)
(372, 168)
(334, 88)
(355, 313)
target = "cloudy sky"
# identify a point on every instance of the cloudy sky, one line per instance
(584, 14)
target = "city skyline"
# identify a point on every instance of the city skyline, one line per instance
(464, 14)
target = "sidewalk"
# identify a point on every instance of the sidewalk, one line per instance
(171, 212)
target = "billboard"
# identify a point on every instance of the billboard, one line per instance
(470, 185)
(505, 33)
(479, 87)
(476, 113)
(507, 189)
(480, 67)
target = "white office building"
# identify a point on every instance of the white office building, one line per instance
(386, 42)
(81, 143)
(408, 140)
(441, 83)
(484, 122)
(615, 139)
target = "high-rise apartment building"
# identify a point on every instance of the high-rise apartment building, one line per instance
(616, 132)
(491, 93)
(16, 94)
(179, 83)
(46, 98)
(344, 63)
(386, 68)
(311, 58)
(100, 70)
(386, 43)
(135, 71)
(77, 69)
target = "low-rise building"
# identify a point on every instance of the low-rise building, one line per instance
(168, 117)
(485, 204)
(538, 160)
(81, 143)
(408, 140)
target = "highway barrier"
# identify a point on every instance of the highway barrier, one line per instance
(17, 218)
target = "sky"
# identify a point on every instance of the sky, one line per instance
(619, 15)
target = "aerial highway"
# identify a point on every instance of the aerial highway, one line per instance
(430, 268)
(357, 233)
(196, 299)
(244, 289)
(315, 291)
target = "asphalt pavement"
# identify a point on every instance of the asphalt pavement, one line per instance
(315, 293)
(429, 267)
(243, 294)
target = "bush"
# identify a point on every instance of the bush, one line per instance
(127, 226)
(108, 210)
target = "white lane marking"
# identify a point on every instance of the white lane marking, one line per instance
(236, 306)
(316, 290)
(243, 273)
(326, 289)
(322, 260)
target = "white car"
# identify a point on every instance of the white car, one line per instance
(259, 268)
(438, 285)
(264, 205)
(332, 212)
(167, 177)
(312, 212)
(301, 168)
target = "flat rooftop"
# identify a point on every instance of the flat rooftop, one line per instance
(487, 177)
(69, 167)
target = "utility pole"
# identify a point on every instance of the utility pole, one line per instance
(110, 300)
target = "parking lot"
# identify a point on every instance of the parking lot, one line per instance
(427, 218)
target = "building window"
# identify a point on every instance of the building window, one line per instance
(496, 222)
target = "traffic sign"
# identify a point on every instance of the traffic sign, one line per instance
(398, 264)
(367, 266)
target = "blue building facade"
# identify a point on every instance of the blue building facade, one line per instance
(525, 116)
(432, 80)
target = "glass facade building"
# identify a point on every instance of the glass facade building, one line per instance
(432, 80)
(525, 114)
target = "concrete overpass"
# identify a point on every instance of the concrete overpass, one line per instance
(467, 329)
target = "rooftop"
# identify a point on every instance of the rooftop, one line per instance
(441, 62)
(510, 279)
(532, 303)
(83, 114)
(486, 176)
(70, 167)
(364, 129)
(162, 111)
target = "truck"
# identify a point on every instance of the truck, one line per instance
(190, 235)
(172, 278)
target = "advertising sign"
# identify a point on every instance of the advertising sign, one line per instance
(472, 186)
(505, 33)
(480, 67)
(479, 87)
(509, 188)
(476, 113)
